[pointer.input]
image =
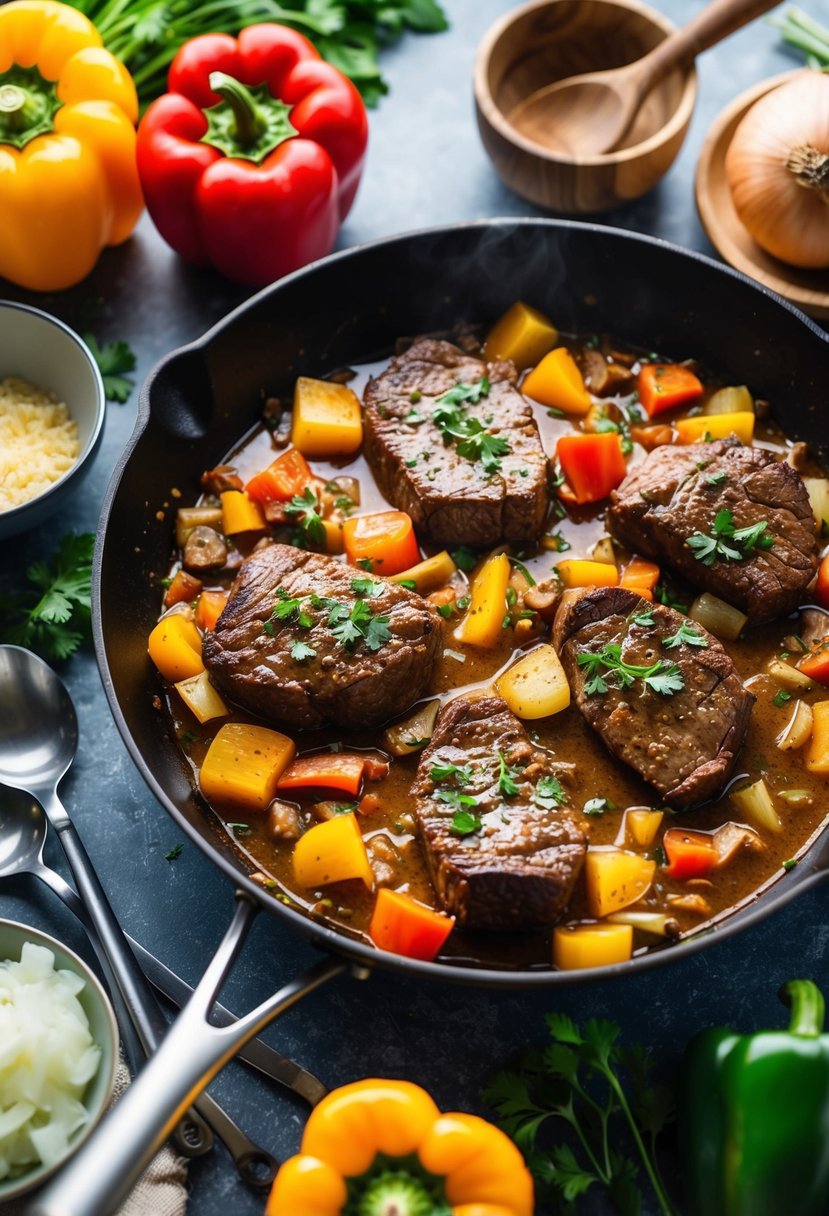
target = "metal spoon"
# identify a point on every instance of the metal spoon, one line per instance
(38, 740)
(589, 114)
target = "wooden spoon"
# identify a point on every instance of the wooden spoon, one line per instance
(587, 115)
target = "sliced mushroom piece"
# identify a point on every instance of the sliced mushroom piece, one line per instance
(543, 598)
(734, 838)
(204, 549)
(222, 477)
(283, 822)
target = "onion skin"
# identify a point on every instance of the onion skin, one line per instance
(777, 169)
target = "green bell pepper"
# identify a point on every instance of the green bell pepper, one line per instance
(753, 1116)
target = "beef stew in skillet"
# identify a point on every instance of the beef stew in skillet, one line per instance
(507, 649)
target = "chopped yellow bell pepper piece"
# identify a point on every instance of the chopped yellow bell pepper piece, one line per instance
(244, 763)
(642, 826)
(432, 572)
(523, 334)
(332, 852)
(482, 625)
(578, 572)
(614, 879)
(327, 419)
(716, 426)
(817, 757)
(175, 647)
(240, 513)
(558, 383)
(576, 947)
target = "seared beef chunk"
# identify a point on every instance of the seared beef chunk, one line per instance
(494, 492)
(669, 504)
(503, 851)
(305, 641)
(659, 689)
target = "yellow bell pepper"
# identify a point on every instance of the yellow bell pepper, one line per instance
(716, 426)
(437, 1159)
(522, 334)
(578, 946)
(68, 178)
(482, 625)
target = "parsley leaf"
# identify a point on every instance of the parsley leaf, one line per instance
(358, 625)
(465, 823)
(300, 651)
(549, 793)
(368, 588)
(113, 359)
(716, 479)
(471, 436)
(713, 546)
(52, 616)
(645, 619)
(310, 528)
(687, 634)
(460, 395)
(781, 697)
(507, 784)
(174, 853)
(462, 774)
(465, 559)
(661, 676)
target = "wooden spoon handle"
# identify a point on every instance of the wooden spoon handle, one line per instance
(716, 21)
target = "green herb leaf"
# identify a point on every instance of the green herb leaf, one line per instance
(781, 697)
(726, 543)
(368, 588)
(465, 559)
(113, 359)
(304, 508)
(300, 651)
(465, 823)
(507, 783)
(549, 793)
(52, 615)
(645, 619)
(596, 806)
(661, 676)
(687, 635)
(462, 774)
(174, 853)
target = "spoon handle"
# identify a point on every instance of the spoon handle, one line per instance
(715, 22)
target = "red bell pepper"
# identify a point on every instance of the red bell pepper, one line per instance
(690, 854)
(252, 159)
(663, 386)
(284, 477)
(593, 465)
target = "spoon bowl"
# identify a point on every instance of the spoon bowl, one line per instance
(22, 834)
(38, 725)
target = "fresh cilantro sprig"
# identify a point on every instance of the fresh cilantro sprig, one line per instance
(358, 625)
(507, 778)
(52, 616)
(549, 793)
(661, 676)
(470, 436)
(688, 635)
(602, 1093)
(114, 359)
(727, 543)
(304, 509)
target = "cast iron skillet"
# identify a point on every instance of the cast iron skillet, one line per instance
(201, 399)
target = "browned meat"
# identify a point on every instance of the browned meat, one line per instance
(683, 742)
(677, 493)
(204, 549)
(285, 603)
(517, 869)
(450, 497)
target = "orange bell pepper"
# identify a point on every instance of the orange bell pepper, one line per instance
(209, 608)
(822, 586)
(663, 386)
(690, 854)
(332, 852)
(815, 665)
(325, 770)
(455, 1162)
(558, 383)
(592, 464)
(384, 543)
(240, 513)
(404, 926)
(286, 476)
(640, 576)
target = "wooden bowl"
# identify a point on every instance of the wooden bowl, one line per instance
(808, 289)
(547, 40)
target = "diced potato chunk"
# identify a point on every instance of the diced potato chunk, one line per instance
(332, 852)
(576, 947)
(578, 572)
(788, 676)
(754, 801)
(523, 334)
(535, 686)
(615, 878)
(175, 647)
(201, 698)
(642, 825)
(327, 420)
(244, 763)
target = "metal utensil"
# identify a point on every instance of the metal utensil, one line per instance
(23, 833)
(38, 741)
(587, 115)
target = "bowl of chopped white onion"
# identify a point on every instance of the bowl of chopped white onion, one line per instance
(58, 1054)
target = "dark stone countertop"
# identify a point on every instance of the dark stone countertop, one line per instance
(426, 166)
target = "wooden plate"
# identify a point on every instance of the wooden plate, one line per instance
(808, 289)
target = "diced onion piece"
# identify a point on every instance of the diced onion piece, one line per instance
(818, 490)
(735, 399)
(719, 618)
(795, 798)
(411, 735)
(535, 686)
(657, 923)
(576, 947)
(615, 878)
(603, 551)
(201, 698)
(754, 801)
(789, 676)
(798, 730)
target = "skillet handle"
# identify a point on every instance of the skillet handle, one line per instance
(101, 1174)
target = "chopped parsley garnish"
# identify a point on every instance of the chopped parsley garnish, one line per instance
(465, 559)
(716, 479)
(522, 569)
(507, 774)
(470, 436)
(556, 542)
(465, 823)
(368, 588)
(790, 863)
(781, 697)
(288, 609)
(462, 774)
(727, 543)
(304, 508)
(238, 829)
(662, 677)
(463, 394)
(597, 806)
(549, 793)
(665, 596)
(300, 651)
(445, 610)
(358, 625)
(174, 853)
(456, 799)
(687, 634)
(645, 619)
(349, 625)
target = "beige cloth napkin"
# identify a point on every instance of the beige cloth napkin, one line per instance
(160, 1191)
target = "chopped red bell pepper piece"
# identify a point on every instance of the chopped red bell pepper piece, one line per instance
(690, 854)
(325, 770)
(816, 664)
(252, 159)
(593, 465)
(822, 586)
(286, 476)
(663, 386)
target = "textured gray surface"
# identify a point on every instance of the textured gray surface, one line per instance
(425, 166)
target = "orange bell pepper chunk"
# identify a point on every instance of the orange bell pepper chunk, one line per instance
(558, 383)
(592, 464)
(640, 576)
(404, 926)
(325, 770)
(384, 543)
(690, 854)
(183, 589)
(286, 476)
(209, 608)
(663, 386)
(822, 587)
(240, 513)
(816, 664)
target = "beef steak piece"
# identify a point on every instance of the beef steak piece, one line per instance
(451, 497)
(685, 742)
(285, 601)
(678, 492)
(516, 870)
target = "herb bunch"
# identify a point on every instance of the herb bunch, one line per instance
(727, 543)
(660, 676)
(470, 436)
(602, 1092)
(52, 616)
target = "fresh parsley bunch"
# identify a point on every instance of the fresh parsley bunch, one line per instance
(607, 1113)
(53, 615)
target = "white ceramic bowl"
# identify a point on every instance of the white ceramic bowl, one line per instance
(104, 1031)
(37, 347)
